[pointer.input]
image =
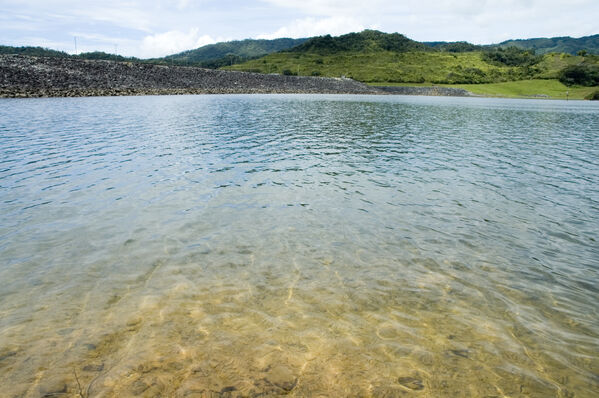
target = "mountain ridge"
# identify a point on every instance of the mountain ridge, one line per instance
(559, 44)
(241, 50)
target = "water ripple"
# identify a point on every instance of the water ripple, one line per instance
(303, 245)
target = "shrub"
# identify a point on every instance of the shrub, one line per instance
(583, 74)
(511, 56)
(288, 72)
(459, 47)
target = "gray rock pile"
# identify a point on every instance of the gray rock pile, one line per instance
(26, 76)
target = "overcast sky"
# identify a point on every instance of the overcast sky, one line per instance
(158, 27)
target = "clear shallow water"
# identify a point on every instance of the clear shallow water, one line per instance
(301, 245)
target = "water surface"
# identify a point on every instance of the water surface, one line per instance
(300, 245)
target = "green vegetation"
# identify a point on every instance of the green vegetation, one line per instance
(231, 52)
(210, 56)
(594, 96)
(33, 51)
(454, 47)
(107, 57)
(529, 88)
(384, 59)
(568, 45)
(511, 56)
(367, 41)
(386, 66)
(583, 74)
(413, 67)
(45, 52)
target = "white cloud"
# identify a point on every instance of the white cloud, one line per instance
(130, 16)
(478, 21)
(181, 4)
(174, 41)
(160, 27)
(334, 7)
(308, 27)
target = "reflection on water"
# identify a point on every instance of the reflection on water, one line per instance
(301, 245)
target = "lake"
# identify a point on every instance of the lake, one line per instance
(302, 245)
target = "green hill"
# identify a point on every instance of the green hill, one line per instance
(455, 46)
(372, 56)
(568, 45)
(46, 52)
(219, 54)
(33, 51)
(367, 41)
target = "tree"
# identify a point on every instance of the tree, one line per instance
(511, 56)
(583, 74)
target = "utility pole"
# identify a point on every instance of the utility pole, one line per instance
(75, 37)
(116, 49)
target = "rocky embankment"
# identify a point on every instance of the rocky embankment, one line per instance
(426, 90)
(26, 76)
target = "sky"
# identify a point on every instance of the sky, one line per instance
(154, 28)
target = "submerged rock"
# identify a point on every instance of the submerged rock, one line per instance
(138, 387)
(93, 367)
(5, 354)
(461, 353)
(282, 377)
(413, 383)
(53, 388)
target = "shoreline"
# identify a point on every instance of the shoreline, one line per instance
(47, 77)
(545, 89)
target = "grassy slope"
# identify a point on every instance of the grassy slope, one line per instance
(380, 66)
(529, 88)
(411, 68)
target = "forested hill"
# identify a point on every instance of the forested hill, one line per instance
(368, 41)
(33, 51)
(365, 41)
(46, 52)
(568, 45)
(234, 50)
